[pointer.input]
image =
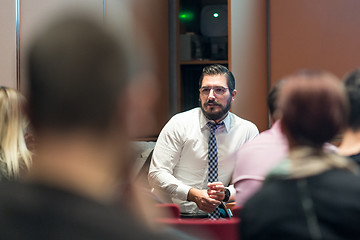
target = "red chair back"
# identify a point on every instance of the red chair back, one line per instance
(171, 209)
(228, 229)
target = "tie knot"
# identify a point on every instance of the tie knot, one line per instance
(214, 126)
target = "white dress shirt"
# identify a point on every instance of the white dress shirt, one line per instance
(180, 158)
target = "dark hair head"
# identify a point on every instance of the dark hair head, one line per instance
(77, 71)
(313, 106)
(219, 69)
(352, 88)
(272, 98)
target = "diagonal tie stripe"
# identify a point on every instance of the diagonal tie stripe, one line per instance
(213, 162)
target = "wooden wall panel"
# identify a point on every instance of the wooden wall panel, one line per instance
(152, 24)
(249, 60)
(322, 34)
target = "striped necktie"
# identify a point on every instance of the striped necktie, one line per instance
(213, 162)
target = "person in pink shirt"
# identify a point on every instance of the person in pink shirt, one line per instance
(257, 157)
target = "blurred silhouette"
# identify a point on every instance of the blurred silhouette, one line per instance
(312, 193)
(350, 145)
(78, 187)
(15, 157)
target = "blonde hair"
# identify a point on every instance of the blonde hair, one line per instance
(15, 157)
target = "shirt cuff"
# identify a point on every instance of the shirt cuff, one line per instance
(182, 192)
(232, 190)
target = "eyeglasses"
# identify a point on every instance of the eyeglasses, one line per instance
(217, 90)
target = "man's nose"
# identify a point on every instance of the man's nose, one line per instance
(211, 94)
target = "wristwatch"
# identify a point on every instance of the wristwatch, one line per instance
(227, 195)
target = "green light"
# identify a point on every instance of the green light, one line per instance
(186, 16)
(215, 15)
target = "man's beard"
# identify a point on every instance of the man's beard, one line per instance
(216, 115)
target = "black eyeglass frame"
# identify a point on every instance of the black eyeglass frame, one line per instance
(218, 91)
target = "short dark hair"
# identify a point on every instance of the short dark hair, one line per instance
(219, 69)
(352, 88)
(272, 97)
(77, 71)
(313, 106)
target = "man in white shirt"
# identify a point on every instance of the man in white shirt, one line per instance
(179, 167)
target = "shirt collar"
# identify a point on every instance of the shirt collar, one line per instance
(204, 121)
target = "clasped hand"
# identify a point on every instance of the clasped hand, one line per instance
(208, 200)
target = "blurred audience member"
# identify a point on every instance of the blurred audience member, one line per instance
(78, 81)
(257, 157)
(15, 157)
(350, 145)
(311, 194)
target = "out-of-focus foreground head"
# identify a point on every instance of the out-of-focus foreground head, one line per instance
(352, 87)
(314, 107)
(77, 75)
(15, 156)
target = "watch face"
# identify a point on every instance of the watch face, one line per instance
(227, 192)
(227, 195)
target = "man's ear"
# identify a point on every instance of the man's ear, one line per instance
(233, 94)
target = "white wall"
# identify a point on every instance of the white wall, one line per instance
(8, 44)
